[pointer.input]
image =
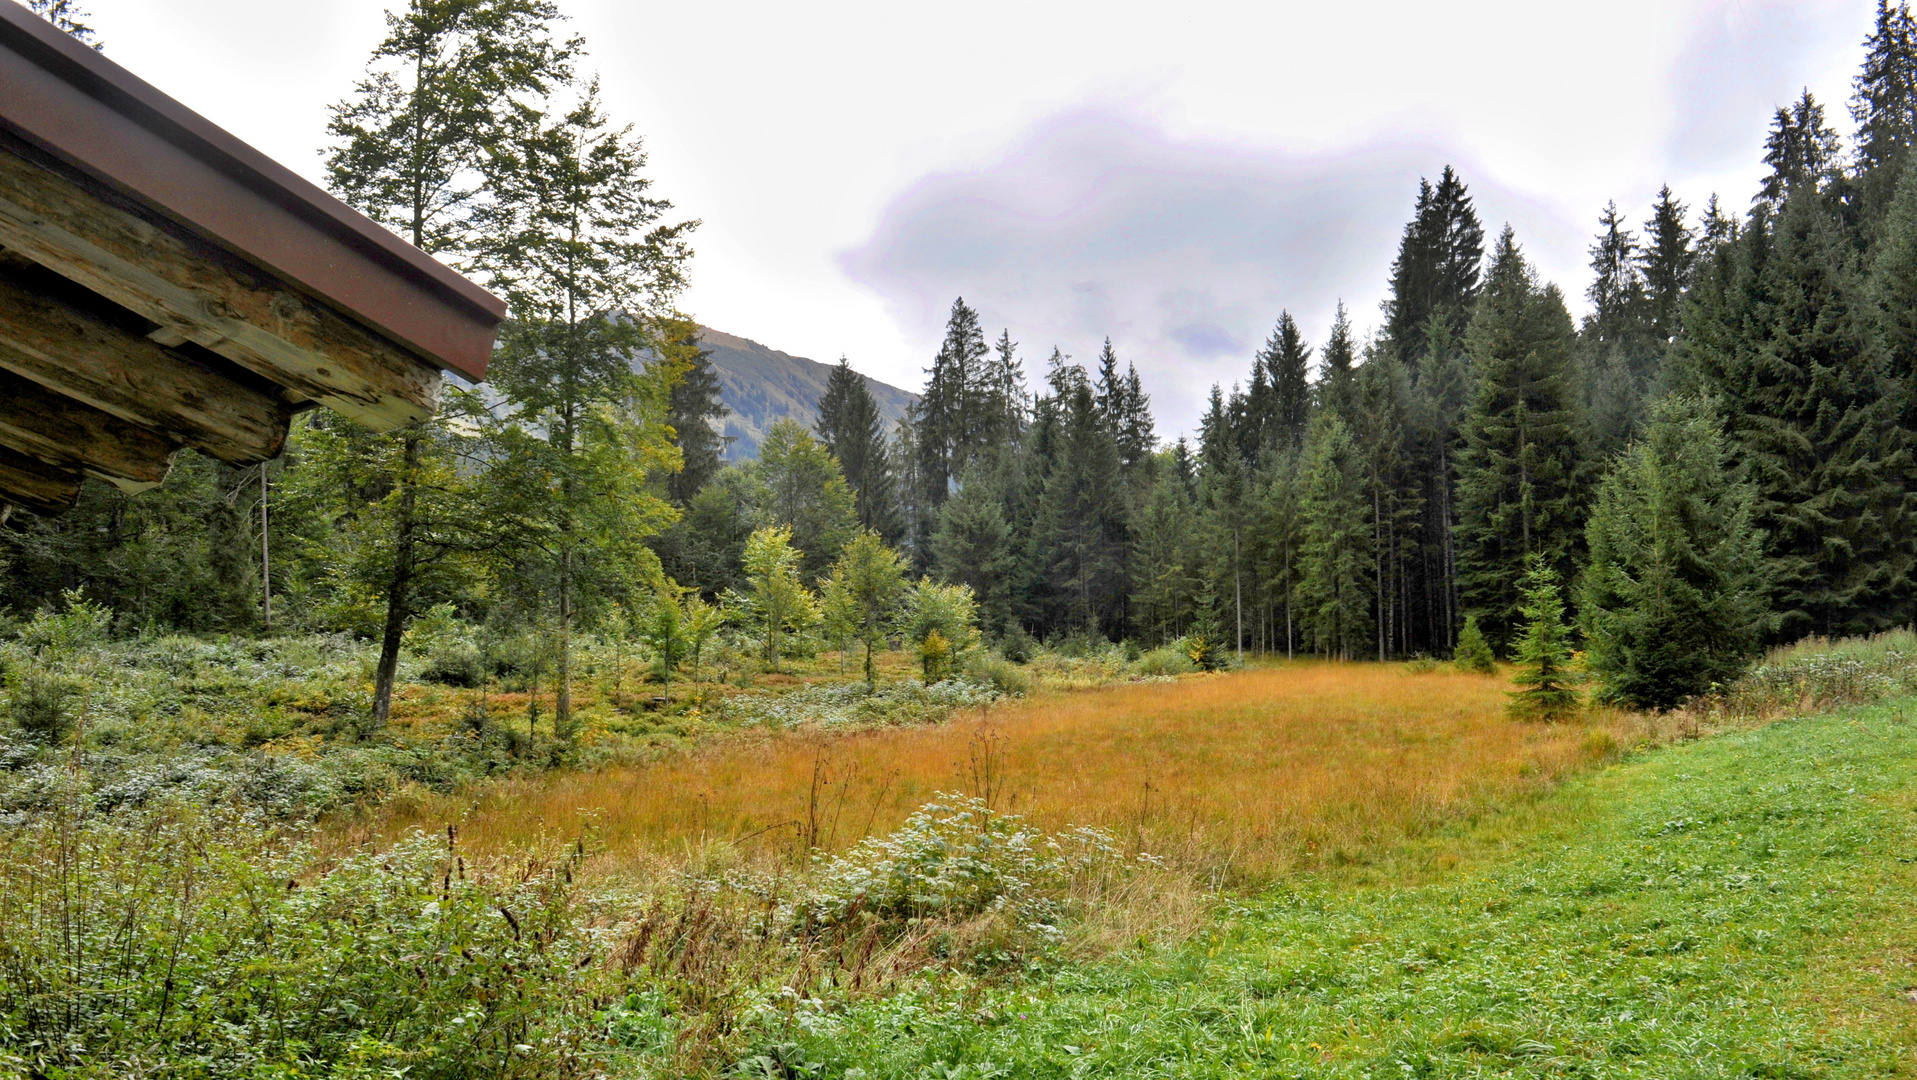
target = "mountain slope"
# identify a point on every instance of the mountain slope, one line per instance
(762, 385)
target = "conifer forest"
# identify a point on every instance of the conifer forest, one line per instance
(1499, 682)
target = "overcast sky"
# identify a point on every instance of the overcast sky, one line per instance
(1170, 175)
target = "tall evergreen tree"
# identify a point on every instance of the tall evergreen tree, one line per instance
(1665, 265)
(1437, 270)
(1124, 409)
(441, 92)
(1340, 363)
(974, 545)
(1884, 103)
(1619, 346)
(1164, 579)
(949, 423)
(1335, 588)
(1672, 601)
(691, 408)
(1518, 472)
(1801, 150)
(1287, 361)
(853, 431)
(1079, 539)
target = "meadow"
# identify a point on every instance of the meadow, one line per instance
(1239, 778)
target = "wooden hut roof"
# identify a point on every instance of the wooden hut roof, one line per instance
(164, 285)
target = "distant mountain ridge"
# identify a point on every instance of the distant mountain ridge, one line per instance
(763, 385)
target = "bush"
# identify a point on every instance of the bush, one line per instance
(1165, 660)
(999, 673)
(455, 663)
(1016, 645)
(80, 625)
(42, 705)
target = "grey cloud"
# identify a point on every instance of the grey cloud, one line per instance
(1098, 223)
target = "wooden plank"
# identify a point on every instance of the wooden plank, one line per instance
(35, 485)
(79, 354)
(60, 431)
(196, 291)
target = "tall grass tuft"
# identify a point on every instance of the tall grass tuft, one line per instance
(1818, 673)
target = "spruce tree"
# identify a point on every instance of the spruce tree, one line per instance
(1473, 652)
(1619, 346)
(974, 546)
(1437, 270)
(1164, 583)
(1079, 539)
(1287, 361)
(1665, 264)
(68, 18)
(1124, 409)
(1335, 588)
(1542, 655)
(950, 422)
(1340, 363)
(853, 431)
(692, 407)
(1672, 601)
(1884, 104)
(1801, 151)
(1519, 470)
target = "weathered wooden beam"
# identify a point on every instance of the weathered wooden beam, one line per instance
(196, 292)
(78, 353)
(62, 432)
(35, 485)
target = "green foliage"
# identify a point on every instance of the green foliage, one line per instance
(1473, 652)
(804, 491)
(941, 623)
(1519, 471)
(864, 592)
(1336, 585)
(183, 942)
(1672, 601)
(41, 704)
(775, 604)
(79, 624)
(1542, 652)
(853, 431)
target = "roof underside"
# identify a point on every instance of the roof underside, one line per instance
(163, 285)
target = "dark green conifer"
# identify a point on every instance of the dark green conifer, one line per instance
(853, 430)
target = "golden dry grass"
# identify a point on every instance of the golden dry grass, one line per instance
(1242, 777)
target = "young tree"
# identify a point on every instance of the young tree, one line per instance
(804, 491)
(941, 621)
(1672, 601)
(775, 601)
(673, 626)
(870, 579)
(412, 142)
(1546, 690)
(974, 545)
(575, 242)
(853, 431)
(1473, 652)
(1519, 471)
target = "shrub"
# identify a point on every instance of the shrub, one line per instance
(1015, 644)
(78, 625)
(42, 705)
(1001, 674)
(455, 663)
(1166, 660)
(1473, 652)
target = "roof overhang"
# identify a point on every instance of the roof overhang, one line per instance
(167, 279)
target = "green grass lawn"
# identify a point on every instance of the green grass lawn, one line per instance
(1740, 906)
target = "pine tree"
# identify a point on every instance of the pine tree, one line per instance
(1079, 539)
(1438, 266)
(1473, 652)
(1884, 104)
(1672, 602)
(1335, 588)
(1123, 409)
(575, 242)
(1164, 583)
(1801, 151)
(1773, 333)
(1665, 264)
(67, 17)
(1287, 359)
(1619, 346)
(853, 431)
(413, 142)
(1519, 470)
(1340, 360)
(1542, 655)
(949, 421)
(974, 546)
(691, 409)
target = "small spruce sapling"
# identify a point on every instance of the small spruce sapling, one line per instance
(1473, 652)
(1543, 676)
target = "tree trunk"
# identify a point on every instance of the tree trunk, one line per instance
(399, 592)
(562, 700)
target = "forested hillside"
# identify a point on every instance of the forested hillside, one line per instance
(760, 386)
(1719, 455)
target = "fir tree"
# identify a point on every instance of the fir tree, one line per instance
(1672, 602)
(1801, 151)
(1437, 270)
(1335, 588)
(1287, 359)
(1340, 363)
(1619, 345)
(1473, 652)
(691, 409)
(1123, 409)
(974, 546)
(853, 431)
(949, 422)
(1079, 538)
(1884, 103)
(1518, 473)
(1164, 584)
(1542, 655)
(1665, 265)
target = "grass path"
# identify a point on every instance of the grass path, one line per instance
(1743, 906)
